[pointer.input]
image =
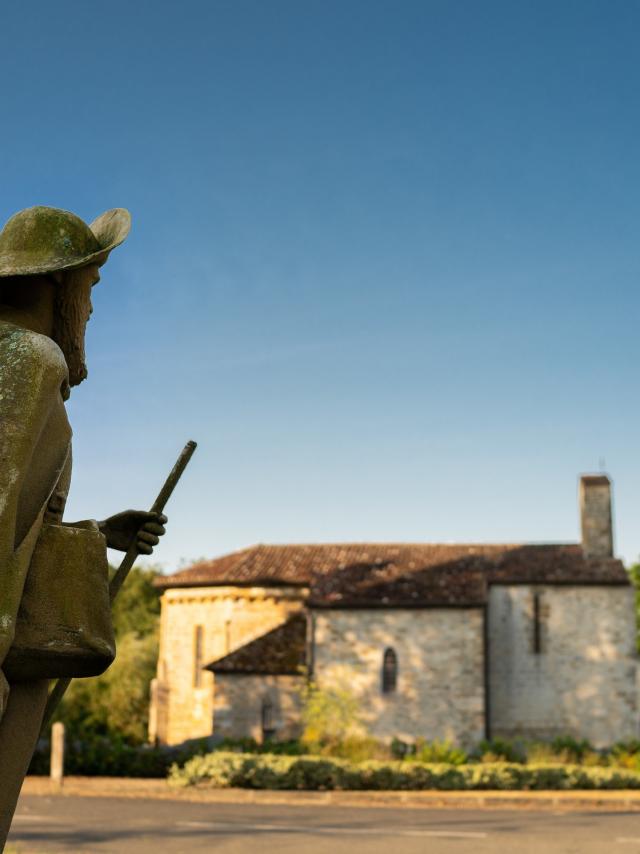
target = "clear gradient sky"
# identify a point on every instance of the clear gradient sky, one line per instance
(384, 261)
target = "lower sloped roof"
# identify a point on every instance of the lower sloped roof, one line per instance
(280, 652)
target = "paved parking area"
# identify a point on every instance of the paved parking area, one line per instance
(149, 826)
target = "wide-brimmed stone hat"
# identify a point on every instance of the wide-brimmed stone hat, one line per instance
(44, 240)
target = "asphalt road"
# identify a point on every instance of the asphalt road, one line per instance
(144, 826)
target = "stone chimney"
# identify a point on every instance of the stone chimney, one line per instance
(595, 515)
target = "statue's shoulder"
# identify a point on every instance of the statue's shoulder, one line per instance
(29, 353)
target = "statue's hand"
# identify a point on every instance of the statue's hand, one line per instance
(123, 527)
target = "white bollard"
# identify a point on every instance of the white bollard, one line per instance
(57, 753)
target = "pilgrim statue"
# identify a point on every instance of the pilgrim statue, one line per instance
(54, 601)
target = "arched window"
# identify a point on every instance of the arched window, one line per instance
(389, 671)
(267, 719)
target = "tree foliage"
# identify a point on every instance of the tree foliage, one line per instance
(137, 607)
(634, 576)
(329, 715)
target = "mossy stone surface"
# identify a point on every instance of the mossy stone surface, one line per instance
(43, 240)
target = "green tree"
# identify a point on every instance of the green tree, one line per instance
(329, 716)
(634, 576)
(137, 607)
(116, 703)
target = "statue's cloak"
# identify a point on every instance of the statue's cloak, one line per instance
(35, 456)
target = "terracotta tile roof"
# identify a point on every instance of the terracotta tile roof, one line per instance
(399, 575)
(256, 565)
(280, 652)
(455, 575)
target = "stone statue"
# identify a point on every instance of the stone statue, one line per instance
(54, 602)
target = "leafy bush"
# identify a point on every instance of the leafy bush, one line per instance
(223, 770)
(357, 749)
(500, 750)
(354, 748)
(564, 750)
(631, 746)
(541, 753)
(401, 749)
(250, 745)
(374, 762)
(626, 754)
(99, 756)
(574, 749)
(443, 752)
(329, 716)
(561, 751)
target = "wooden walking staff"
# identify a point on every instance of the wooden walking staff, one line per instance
(127, 562)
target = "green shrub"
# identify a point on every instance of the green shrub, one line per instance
(401, 749)
(329, 716)
(250, 745)
(439, 751)
(500, 750)
(574, 749)
(98, 756)
(563, 750)
(625, 754)
(223, 770)
(356, 749)
(541, 753)
(631, 746)
(356, 762)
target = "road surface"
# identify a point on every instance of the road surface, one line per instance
(150, 826)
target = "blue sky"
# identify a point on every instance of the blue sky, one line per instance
(383, 267)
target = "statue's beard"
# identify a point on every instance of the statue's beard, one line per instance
(70, 321)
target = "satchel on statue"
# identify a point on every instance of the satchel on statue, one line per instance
(64, 624)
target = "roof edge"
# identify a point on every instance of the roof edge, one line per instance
(398, 606)
(212, 668)
(163, 583)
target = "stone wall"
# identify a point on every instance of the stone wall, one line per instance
(440, 683)
(573, 674)
(238, 706)
(582, 681)
(229, 617)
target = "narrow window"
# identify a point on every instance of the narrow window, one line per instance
(389, 671)
(227, 636)
(197, 657)
(537, 626)
(267, 719)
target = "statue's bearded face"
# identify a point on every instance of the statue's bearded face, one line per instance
(72, 311)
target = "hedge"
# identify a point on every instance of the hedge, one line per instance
(107, 757)
(224, 770)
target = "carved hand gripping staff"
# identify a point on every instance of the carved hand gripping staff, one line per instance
(127, 563)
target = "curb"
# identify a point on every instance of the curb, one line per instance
(624, 800)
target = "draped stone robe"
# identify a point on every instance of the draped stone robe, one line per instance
(35, 469)
(35, 456)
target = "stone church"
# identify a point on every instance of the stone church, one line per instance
(456, 642)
